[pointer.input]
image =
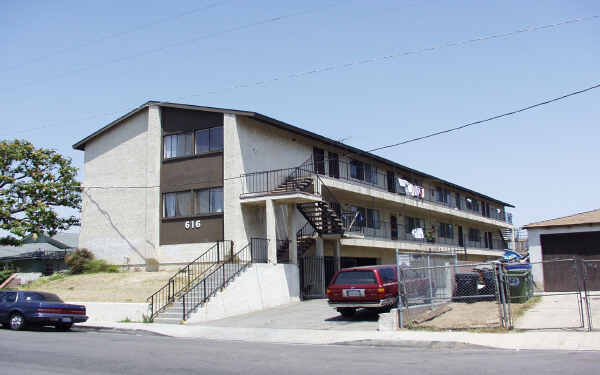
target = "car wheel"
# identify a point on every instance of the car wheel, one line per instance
(16, 322)
(63, 326)
(347, 312)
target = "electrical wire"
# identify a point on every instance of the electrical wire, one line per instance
(176, 44)
(116, 35)
(340, 66)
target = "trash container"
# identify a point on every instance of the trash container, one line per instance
(466, 285)
(519, 282)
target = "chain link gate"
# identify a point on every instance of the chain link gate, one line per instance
(591, 285)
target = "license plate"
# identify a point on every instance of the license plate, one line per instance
(354, 292)
(67, 320)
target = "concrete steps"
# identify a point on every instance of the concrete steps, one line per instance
(214, 282)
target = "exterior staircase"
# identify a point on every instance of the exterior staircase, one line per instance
(322, 217)
(293, 184)
(193, 285)
(198, 295)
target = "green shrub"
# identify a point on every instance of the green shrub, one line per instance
(5, 274)
(78, 259)
(99, 265)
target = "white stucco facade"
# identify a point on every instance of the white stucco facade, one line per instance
(535, 246)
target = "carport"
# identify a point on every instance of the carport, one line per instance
(571, 237)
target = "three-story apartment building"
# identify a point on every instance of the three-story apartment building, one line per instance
(165, 181)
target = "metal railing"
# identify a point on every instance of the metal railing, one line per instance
(344, 170)
(187, 276)
(386, 231)
(218, 278)
(285, 180)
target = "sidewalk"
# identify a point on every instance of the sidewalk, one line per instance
(514, 340)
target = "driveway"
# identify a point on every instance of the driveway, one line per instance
(311, 314)
(553, 312)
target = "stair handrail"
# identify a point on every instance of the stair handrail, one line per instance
(186, 276)
(192, 298)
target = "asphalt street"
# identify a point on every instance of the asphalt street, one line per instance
(85, 352)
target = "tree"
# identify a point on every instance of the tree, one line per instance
(34, 182)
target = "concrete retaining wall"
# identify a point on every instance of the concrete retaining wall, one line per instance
(114, 311)
(260, 287)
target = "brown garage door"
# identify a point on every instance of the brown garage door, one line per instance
(561, 276)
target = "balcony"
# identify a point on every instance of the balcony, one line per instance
(300, 180)
(387, 232)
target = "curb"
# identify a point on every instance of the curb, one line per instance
(125, 331)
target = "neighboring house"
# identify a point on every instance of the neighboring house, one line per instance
(571, 237)
(167, 180)
(45, 254)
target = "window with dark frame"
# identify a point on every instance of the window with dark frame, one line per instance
(474, 235)
(357, 170)
(446, 230)
(178, 145)
(190, 203)
(193, 143)
(370, 174)
(412, 223)
(373, 218)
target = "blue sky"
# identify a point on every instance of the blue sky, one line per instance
(70, 67)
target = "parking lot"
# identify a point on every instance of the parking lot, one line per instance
(311, 314)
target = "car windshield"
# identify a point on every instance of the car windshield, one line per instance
(355, 277)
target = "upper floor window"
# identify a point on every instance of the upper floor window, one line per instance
(373, 219)
(474, 235)
(208, 140)
(357, 170)
(179, 145)
(190, 143)
(472, 204)
(413, 223)
(446, 230)
(442, 195)
(371, 174)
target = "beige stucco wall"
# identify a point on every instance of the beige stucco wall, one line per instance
(120, 198)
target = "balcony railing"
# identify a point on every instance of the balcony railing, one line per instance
(374, 178)
(385, 231)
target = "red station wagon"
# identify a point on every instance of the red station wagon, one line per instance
(370, 287)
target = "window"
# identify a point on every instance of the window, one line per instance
(458, 204)
(178, 145)
(209, 200)
(443, 195)
(359, 216)
(446, 230)
(40, 296)
(209, 140)
(355, 277)
(371, 174)
(472, 204)
(474, 235)
(357, 170)
(177, 204)
(373, 220)
(387, 275)
(413, 223)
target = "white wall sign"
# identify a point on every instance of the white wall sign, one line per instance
(192, 224)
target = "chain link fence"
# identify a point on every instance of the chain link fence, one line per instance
(591, 283)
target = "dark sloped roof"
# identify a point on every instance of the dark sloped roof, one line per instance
(583, 218)
(282, 125)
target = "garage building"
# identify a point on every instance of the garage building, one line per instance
(571, 237)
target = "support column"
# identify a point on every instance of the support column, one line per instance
(293, 251)
(338, 252)
(271, 231)
(320, 261)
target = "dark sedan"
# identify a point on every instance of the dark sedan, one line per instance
(20, 308)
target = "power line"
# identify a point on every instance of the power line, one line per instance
(117, 34)
(345, 65)
(398, 54)
(178, 44)
(506, 114)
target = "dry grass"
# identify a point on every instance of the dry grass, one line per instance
(105, 287)
(480, 316)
